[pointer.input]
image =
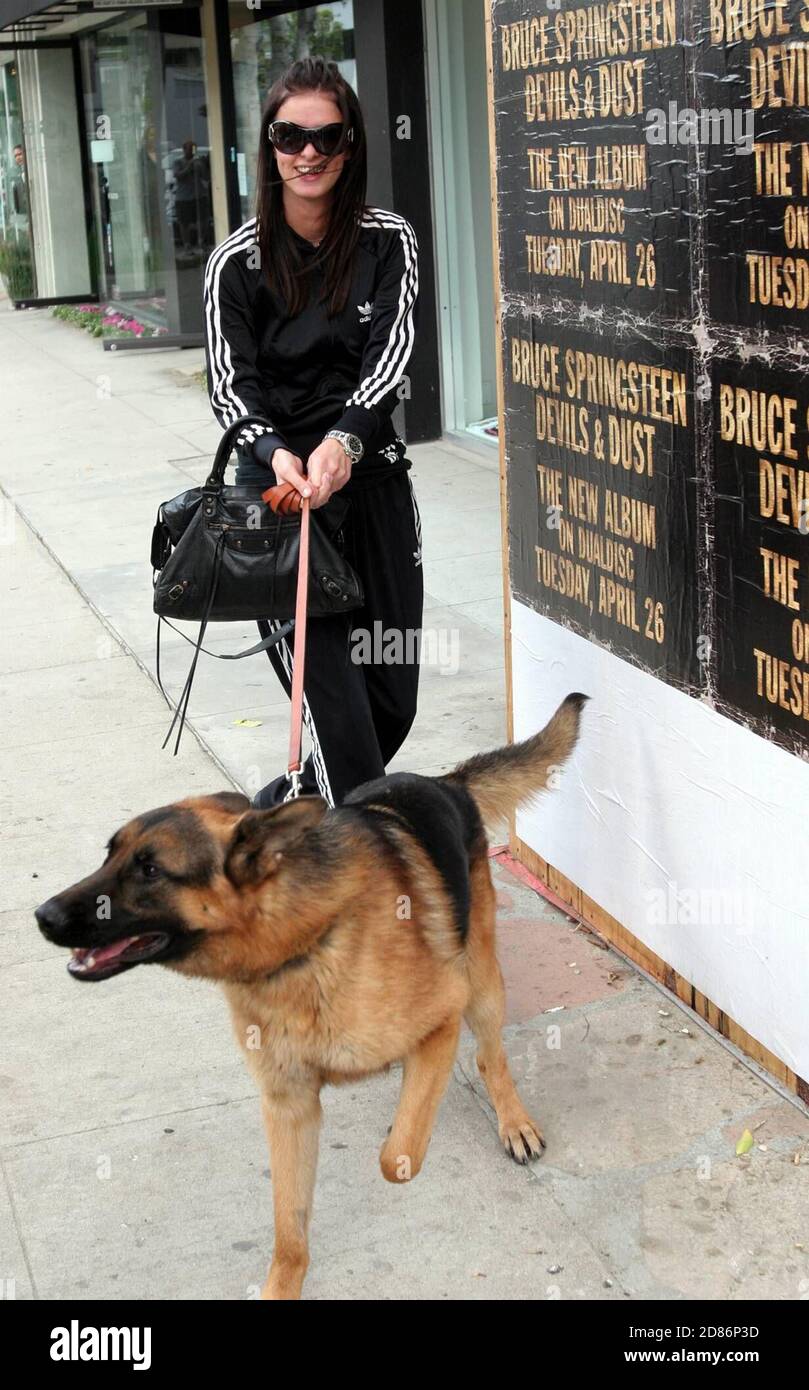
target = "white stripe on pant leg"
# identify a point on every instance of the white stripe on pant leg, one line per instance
(318, 759)
(321, 775)
(274, 624)
(416, 520)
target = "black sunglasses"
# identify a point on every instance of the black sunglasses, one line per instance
(291, 139)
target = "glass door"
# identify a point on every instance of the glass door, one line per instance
(43, 216)
(459, 141)
(16, 261)
(147, 129)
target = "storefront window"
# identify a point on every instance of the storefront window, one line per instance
(261, 49)
(43, 231)
(460, 170)
(146, 117)
(16, 263)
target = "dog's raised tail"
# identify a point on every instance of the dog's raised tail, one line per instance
(508, 777)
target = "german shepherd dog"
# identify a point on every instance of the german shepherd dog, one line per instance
(345, 939)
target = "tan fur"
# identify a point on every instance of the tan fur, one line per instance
(339, 957)
(509, 777)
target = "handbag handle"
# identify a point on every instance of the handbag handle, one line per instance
(227, 444)
(284, 497)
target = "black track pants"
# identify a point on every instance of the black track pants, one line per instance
(358, 712)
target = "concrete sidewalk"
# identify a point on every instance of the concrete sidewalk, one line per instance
(132, 1151)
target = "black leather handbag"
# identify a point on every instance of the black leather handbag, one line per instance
(220, 554)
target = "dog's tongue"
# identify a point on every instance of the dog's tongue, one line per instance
(97, 960)
(102, 955)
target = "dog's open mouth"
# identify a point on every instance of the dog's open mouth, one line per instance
(100, 962)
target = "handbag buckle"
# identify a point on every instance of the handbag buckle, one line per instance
(331, 586)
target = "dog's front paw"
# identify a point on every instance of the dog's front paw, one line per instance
(397, 1167)
(522, 1139)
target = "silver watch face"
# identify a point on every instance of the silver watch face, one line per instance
(352, 444)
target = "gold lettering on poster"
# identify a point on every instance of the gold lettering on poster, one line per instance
(767, 423)
(586, 65)
(604, 411)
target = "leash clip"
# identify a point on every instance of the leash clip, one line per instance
(295, 787)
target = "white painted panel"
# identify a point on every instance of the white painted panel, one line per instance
(683, 825)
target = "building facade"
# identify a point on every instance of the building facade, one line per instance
(128, 144)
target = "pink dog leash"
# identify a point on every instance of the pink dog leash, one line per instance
(286, 499)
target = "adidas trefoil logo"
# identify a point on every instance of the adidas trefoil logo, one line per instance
(365, 311)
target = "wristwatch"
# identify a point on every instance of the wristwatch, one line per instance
(352, 444)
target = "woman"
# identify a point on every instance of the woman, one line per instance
(310, 321)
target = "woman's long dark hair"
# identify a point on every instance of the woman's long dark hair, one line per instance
(282, 264)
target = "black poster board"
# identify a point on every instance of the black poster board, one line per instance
(757, 180)
(652, 183)
(608, 515)
(599, 216)
(761, 504)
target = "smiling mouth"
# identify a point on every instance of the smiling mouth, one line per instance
(101, 962)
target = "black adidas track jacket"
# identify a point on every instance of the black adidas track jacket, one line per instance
(310, 374)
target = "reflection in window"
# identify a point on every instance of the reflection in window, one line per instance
(16, 262)
(146, 114)
(43, 235)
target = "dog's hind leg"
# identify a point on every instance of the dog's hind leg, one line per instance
(426, 1073)
(521, 1137)
(292, 1123)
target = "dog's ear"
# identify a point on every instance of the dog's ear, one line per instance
(261, 839)
(228, 801)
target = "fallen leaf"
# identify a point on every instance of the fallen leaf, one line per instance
(745, 1144)
(247, 723)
